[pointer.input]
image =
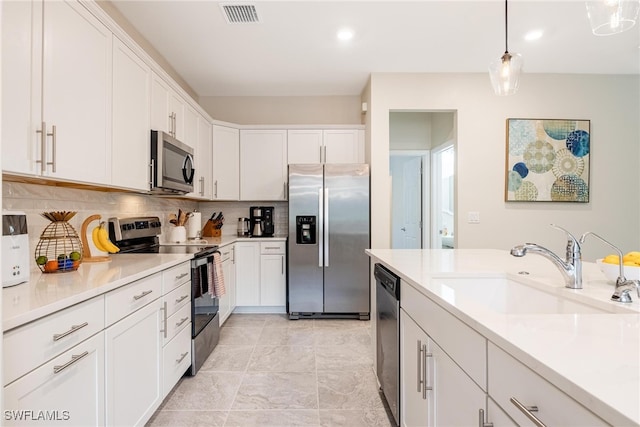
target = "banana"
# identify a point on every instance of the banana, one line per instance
(103, 240)
(96, 241)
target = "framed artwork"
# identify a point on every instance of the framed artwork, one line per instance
(547, 160)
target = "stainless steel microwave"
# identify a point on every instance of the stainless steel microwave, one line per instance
(172, 169)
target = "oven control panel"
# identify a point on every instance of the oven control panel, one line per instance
(134, 228)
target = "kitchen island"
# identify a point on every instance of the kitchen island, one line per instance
(591, 354)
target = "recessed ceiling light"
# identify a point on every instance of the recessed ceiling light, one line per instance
(533, 35)
(345, 34)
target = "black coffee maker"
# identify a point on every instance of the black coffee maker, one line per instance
(261, 218)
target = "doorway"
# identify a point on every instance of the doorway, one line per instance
(421, 166)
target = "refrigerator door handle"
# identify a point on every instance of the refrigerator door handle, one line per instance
(320, 226)
(326, 227)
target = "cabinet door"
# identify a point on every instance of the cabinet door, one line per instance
(69, 387)
(247, 255)
(77, 93)
(225, 300)
(161, 116)
(178, 107)
(134, 367)
(416, 403)
(202, 183)
(263, 164)
(273, 280)
(131, 112)
(21, 52)
(343, 146)
(226, 163)
(304, 146)
(457, 399)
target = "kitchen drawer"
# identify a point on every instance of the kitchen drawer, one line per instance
(272, 248)
(71, 384)
(464, 345)
(509, 378)
(226, 253)
(177, 322)
(178, 298)
(123, 301)
(31, 345)
(176, 359)
(176, 276)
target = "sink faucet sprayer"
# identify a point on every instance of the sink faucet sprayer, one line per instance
(571, 268)
(623, 285)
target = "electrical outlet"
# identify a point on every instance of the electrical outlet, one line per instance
(473, 218)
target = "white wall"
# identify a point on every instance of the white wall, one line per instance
(612, 103)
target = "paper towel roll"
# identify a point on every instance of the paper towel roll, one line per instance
(194, 226)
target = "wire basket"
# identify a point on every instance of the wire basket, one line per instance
(59, 249)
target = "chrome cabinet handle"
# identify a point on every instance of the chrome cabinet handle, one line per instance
(215, 189)
(164, 319)
(182, 356)
(53, 148)
(184, 319)
(181, 276)
(182, 298)
(282, 265)
(73, 329)
(43, 147)
(324, 154)
(528, 412)
(74, 358)
(272, 247)
(419, 359)
(171, 124)
(481, 422)
(424, 372)
(142, 295)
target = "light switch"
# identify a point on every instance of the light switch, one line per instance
(473, 217)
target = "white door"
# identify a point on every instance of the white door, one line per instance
(415, 401)
(304, 146)
(273, 281)
(406, 173)
(226, 163)
(247, 256)
(343, 146)
(443, 197)
(263, 164)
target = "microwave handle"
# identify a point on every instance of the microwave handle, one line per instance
(188, 178)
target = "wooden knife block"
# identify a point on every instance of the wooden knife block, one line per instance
(210, 231)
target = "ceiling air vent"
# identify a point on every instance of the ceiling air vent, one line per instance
(240, 13)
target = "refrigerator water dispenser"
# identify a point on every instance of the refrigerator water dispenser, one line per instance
(306, 230)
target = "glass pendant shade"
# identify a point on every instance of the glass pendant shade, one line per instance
(612, 16)
(505, 73)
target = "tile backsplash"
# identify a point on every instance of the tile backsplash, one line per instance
(34, 199)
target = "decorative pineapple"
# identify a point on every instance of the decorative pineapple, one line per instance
(59, 248)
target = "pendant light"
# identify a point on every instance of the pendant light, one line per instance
(505, 71)
(609, 17)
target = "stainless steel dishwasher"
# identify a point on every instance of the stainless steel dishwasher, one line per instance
(388, 336)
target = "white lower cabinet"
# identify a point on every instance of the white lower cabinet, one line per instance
(134, 367)
(510, 380)
(261, 278)
(228, 300)
(435, 390)
(68, 390)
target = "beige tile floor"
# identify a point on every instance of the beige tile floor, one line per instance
(271, 371)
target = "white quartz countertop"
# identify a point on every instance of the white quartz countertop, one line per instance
(47, 293)
(229, 239)
(594, 358)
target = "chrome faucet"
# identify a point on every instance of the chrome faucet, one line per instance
(624, 286)
(571, 268)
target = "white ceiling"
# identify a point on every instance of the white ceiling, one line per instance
(294, 50)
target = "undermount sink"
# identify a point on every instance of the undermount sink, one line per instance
(507, 296)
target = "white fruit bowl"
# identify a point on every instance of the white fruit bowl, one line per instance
(612, 271)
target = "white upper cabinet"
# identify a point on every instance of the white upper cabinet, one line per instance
(202, 183)
(69, 81)
(325, 146)
(131, 115)
(226, 163)
(263, 164)
(161, 117)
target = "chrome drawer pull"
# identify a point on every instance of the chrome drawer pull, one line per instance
(184, 319)
(164, 319)
(182, 298)
(182, 356)
(74, 328)
(272, 247)
(142, 295)
(181, 276)
(74, 359)
(527, 411)
(424, 372)
(419, 358)
(481, 422)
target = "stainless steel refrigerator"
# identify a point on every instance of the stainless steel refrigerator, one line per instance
(328, 270)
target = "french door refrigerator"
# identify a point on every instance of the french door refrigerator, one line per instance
(328, 270)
